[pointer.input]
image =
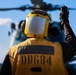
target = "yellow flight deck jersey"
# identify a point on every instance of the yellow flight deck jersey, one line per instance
(37, 57)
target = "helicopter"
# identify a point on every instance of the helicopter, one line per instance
(37, 4)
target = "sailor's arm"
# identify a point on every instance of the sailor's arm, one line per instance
(69, 48)
(6, 67)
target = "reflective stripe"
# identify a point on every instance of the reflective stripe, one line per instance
(36, 49)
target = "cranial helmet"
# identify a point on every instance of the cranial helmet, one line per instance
(37, 23)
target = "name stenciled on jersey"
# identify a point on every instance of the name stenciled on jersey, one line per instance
(35, 54)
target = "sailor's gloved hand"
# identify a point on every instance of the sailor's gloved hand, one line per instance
(64, 15)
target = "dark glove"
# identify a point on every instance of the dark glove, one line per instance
(64, 15)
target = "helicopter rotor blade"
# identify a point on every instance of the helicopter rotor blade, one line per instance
(72, 8)
(7, 9)
(46, 7)
(57, 7)
(22, 8)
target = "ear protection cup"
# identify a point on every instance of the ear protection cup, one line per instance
(49, 29)
(53, 30)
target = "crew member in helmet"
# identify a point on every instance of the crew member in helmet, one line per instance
(36, 55)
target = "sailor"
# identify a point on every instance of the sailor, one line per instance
(36, 55)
